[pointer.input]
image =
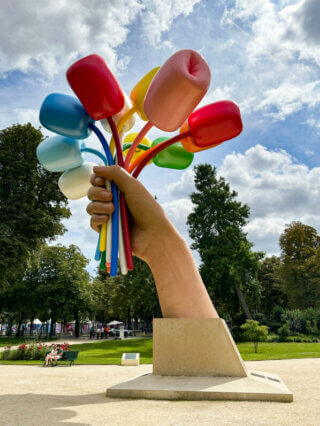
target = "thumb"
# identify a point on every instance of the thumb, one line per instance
(117, 174)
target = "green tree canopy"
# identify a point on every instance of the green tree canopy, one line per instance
(131, 296)
(31, 204)
(228, 265)
(300, 267)
(271, 291)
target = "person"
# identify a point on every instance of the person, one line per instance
(107, 332)
(156, 241)
(92, 332)
(53, 357)
(102, 332)
(23, 329)
(98, 332)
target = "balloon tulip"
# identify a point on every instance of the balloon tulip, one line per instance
(129, 139)
(75, 183)
(138, 93)
(188, 143)
(176, 90)
(65, 115)
(59, 153)
(96, 87)
(173, 157)
(215, 123)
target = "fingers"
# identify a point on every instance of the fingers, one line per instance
(98, 207)
(97, 193)
(117, 174)
(97, 220)
(97, 181)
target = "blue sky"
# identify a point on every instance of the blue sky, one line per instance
(263, 54)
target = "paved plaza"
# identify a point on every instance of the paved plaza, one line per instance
(33, 395)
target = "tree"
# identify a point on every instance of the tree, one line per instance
(228, 265)
(64, 289)
(271, 291)
(132, 296)
(31, 204)
(300, 268)
(253, 332)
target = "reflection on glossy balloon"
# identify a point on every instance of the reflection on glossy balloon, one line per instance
(75, 183)
(173, 157)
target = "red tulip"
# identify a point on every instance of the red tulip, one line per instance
(215, 123)
(96, 87)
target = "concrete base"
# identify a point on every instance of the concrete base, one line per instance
(196, 358)
(256, 386)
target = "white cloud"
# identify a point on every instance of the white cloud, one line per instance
(178, 211)
(184, 186)
(276, 55)
(160, 14)
(45, 37)
(278, 190)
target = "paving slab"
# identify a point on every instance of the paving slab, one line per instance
(33, 395)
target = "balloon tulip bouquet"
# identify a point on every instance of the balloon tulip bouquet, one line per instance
(166, 98)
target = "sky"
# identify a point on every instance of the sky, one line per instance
(263, 54)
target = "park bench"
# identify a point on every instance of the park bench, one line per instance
(68, 356)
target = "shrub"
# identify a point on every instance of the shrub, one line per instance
(255, 333)
(284, 332)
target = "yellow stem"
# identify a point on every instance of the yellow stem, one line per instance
(120, 125)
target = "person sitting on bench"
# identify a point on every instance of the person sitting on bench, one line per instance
(54, 356)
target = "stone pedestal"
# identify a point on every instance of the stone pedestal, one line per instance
(196, 358)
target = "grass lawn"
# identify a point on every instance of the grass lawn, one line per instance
(110, 352)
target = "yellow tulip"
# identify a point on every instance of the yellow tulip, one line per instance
(138, 93)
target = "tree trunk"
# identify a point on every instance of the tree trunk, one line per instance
(77, 325)
(19, 325)
(243, 302)
(129, 318)
(9, 331)
(31, 326)
(53, 326)
(256, 347)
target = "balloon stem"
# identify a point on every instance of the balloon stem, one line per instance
(121, 124)
(145, 129)
(152, 152)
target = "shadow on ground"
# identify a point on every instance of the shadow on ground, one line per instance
(35, 409)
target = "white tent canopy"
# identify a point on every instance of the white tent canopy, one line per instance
(115, 322)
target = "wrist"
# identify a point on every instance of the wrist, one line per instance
(166, 247)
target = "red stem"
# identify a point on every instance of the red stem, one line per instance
(145, 129)
(158, 148)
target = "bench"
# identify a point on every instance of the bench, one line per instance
(68, 356)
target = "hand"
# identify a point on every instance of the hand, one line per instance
(149, 221)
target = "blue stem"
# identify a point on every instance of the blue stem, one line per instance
(115, 216)
(95, 152)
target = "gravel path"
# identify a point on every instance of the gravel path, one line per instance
(32, 395)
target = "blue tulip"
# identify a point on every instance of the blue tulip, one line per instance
(59, 153)
(65, 115)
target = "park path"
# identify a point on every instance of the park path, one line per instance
(32, 395)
